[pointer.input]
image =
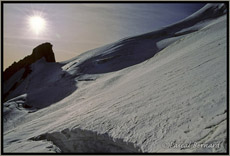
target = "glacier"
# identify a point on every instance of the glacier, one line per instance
(143, 94)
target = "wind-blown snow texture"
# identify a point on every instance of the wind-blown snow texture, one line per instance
(147, 93)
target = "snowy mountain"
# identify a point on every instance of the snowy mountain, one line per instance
(164, 91)
(18, 72)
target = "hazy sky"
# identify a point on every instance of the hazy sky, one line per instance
(77, 27)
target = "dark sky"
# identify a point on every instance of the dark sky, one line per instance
(77, 27)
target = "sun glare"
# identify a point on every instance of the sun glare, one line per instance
(37, 24)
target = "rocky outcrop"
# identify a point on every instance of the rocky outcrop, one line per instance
(43, 50)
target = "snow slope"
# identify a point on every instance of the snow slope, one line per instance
(156, 92)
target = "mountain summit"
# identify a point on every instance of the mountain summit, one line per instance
(15, 74)
(43, 50)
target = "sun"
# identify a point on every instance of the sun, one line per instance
(37, 24)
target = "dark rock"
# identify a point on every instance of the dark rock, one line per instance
(43, 50)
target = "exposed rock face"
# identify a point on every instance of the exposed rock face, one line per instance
(43, 50)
